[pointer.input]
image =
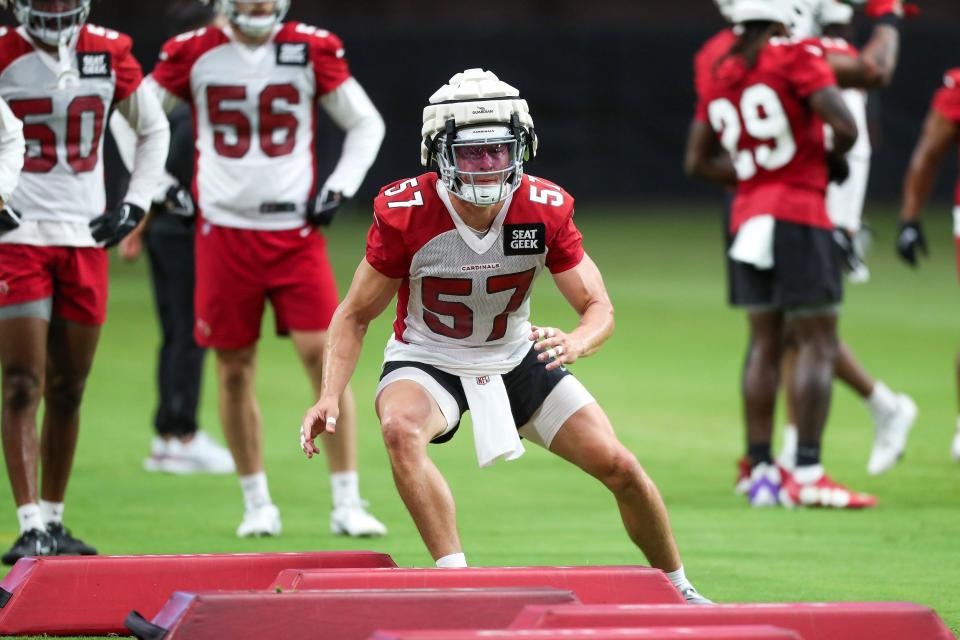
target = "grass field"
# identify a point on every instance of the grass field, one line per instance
(669, 380)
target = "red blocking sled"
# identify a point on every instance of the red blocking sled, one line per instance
(91, 595)
(335, 614)
(738, 632)
(812, 620)
(592, 585)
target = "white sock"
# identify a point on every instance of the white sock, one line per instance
(882, 400)
(346, 487)
(452, 561)
(808, 474)
(51, 512)
(679, 579)
(255, 491)
(30, 518)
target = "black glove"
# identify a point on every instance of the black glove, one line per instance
(321, 212)
(114, 225)
(909, 240)
(848, 252)
(838, 170)
(9, 219)
(178, 202)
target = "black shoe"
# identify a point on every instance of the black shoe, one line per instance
(31, 543)
(67, 545)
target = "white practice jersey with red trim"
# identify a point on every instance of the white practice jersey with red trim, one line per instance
(63, 105)
(255, 111)
(465, 296)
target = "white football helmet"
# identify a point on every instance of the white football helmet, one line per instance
(806, 18)
(478, 132)
(835, 12)
(726, 9)
(44, 21)
(253, 26)
(762, 11)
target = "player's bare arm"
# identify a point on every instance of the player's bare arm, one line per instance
(369, 294)
(938, 135)
(583, 288)
(705, 159)
(829, 105)
(874, 67)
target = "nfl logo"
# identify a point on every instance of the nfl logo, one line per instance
(482, 380)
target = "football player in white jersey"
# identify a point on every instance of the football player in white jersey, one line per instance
(255, 87)
(461, 248)
(12, 148)
(62, 77)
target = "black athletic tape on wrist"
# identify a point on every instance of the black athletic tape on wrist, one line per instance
(890, 19)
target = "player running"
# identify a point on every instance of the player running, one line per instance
(462, 248)
(940, 131)
(759, 124)
(62, 77)
(255, 86)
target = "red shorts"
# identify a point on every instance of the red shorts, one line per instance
(75, 277)
(239, 269)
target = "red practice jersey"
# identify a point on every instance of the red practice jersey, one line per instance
(946, 102)
(465, 295)
(255, 112)
(763, 120)
(64, 108)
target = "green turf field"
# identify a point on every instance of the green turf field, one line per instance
(669, 380)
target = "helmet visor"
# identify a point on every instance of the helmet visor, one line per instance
(53, 21)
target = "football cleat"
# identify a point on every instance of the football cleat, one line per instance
(822, 493)
(692, 596)
(260, 521)
(66, 544)
(764, 486)
(200, 455)
(742, 485)
(352, 519)
(30, 543)
(890, 436)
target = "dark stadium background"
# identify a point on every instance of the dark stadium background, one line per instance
(609, 83)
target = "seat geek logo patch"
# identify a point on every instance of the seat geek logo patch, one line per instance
(292, 54)
(527, 239)
(94, 65)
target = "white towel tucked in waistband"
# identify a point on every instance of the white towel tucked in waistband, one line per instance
(754, 242)
(494, 431)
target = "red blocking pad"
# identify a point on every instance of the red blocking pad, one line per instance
(733, 632)
(813, 621)
(91, 595)
(593, 585)
(340, 614)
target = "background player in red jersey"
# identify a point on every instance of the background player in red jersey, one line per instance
(940, 131)
(62, 77)
(764, 102)
(462, 250)
(255, 87)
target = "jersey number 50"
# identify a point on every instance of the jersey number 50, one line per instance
(765, 121)
(237, 124)
(42, 139)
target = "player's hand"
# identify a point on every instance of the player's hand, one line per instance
(910, 240)
(838, 169)
(178, 202)
(555, 347)
(320, 418)
(321, 211)
(131, 247)
(9, 219)
(113, 226)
